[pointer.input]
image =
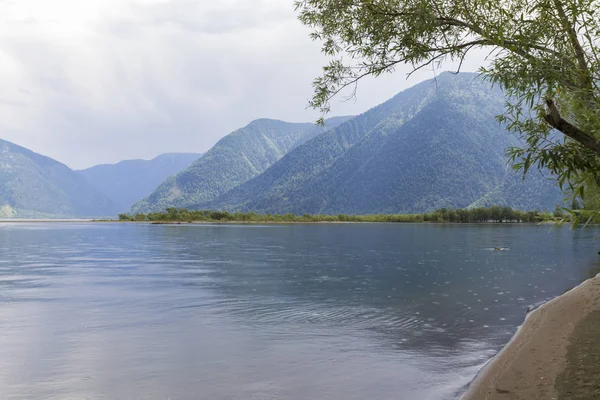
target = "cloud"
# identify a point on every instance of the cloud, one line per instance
(215, 17)
(98, 81)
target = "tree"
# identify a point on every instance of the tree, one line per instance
(140, 217)
(545, 54)
(125, 217)
(558, 212)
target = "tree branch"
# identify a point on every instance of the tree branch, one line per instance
(448, 21)
(355, 79)
(579, 53)
(555, 120)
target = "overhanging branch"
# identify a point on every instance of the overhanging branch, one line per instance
(555, 120)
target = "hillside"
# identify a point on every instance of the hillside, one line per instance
(536, 192)
(130, 181)
(236, 158)
(288, 182)
(36, 186)
(434, 145)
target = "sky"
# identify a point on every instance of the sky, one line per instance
(99, 81)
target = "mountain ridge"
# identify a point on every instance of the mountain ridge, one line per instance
(370, 173)
(32, 184)
(129, 181)
(237, 157)
(327, 147)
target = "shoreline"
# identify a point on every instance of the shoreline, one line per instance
(332, 222)
(545, 358)
(273, 222)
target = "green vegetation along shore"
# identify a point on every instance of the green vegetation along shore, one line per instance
(494, 214)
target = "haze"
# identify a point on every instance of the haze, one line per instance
(99, 81)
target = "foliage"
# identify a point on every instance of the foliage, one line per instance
(592, 197)
(490, 214)
(494, 214)
(544, 53)
(235, 159)
(125, 217)
(558, 212)
(590, 212)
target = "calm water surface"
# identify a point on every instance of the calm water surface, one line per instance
(118, 311)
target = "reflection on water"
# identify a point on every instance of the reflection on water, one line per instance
(115, 311)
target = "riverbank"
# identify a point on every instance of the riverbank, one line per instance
(554, 355)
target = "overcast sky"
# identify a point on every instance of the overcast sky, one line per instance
(98, 81)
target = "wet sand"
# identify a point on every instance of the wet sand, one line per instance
(554, 355)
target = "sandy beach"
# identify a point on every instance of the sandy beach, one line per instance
(554, 355)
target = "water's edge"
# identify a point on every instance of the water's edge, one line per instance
(486, 369)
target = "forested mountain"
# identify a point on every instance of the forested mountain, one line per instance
(434, 145)
(129, 181)
(33, 185)
(237, 157)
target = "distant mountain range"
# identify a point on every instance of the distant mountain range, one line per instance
(36, 186)
(434, 145)
(129, 181)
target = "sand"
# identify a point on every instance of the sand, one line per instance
(554, 355)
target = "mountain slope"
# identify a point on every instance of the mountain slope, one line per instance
(537, 191)
(439, 147)
(237, 157)
(130, 181)
(284, 187)
(33, 185)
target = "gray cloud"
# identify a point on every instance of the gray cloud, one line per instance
(215, 17)
(100, 81)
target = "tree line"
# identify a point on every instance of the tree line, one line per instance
(493, 214)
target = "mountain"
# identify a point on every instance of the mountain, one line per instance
(434, 145)
(130, 181)
(537, 191)
(36, 186)
(237, 157)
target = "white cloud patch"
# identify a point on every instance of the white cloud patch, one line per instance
(97, 81)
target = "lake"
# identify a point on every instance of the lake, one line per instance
(331, 311)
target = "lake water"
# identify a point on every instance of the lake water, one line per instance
(370, 311)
